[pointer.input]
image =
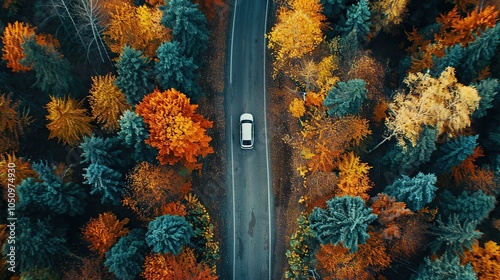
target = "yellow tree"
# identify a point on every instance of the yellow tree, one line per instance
(485, 261)
(441, 102)
(175, 129)
(387, 14)
(23, 171)
(354, 178)
(68, 120)
(297, 108)
(103, 232)
(107, 102)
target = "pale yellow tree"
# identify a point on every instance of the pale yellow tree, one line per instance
(354, 178)
(387, 14)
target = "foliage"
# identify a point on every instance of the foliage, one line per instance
(485, 261)
(371, 71)
(300, 252)
(107, 102)
(297, 108)
(345, 220)
(105, 182)
(388, 209)
(336, 262)
(126, 257)
(14, 36)
(188, 25)
(182, 266)
(354, 180)
(208, 7)
(103, 232)
(346, 98)
(68, 120)
(358, 18)
(388, 14)
(174, 70)
(453, 152)
(454, 236)
(168, 234)
(487, 90)
(472, 177)
(175, 129)
(333, 8)
(415, 192)
(442, 103)
(473, 207)
(413, 235)
(12, 124)
(23, 171)
(133, 74)
(100, 150)
(443, 268)
(150, 187)
(132, 134)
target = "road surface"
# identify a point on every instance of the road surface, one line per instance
(249, 233)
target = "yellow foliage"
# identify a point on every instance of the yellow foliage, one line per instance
(485, 261)
(297, 108)
(386, 14)
(326, 78)
(68, 120)
(354, 178)
(23, 171)
(107, 102)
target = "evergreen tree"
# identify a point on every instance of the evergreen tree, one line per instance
(30, 193)
(105, 181)
(348, 46)
(453, 152)
(447, 267)
(333, 8)
(415, 192)
(52, 71)
(132, 134)
(346, 98)
(133, 75)
(345, 220)
(452, 58)
(453, 236)
(487, 89)
(100, 150)
(473, 207)
(174, 70)
(188, 25)
(358, 18)
(126, 257)
(167, 234)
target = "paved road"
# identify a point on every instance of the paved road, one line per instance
(250, 223)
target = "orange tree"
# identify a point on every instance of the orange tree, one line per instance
(175, 129)
(103, 232)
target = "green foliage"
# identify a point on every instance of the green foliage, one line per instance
(126, 257)
(346, 98)
(345, 220)
(333, 8)
(474, 207)
(100, 150)
(454, 236)
(52, 71)
(38, 244)
(133, 75)
(167, 234)
(446, 267)
(132, 134)
(405, 161)
(358, 18)
(487, 89)
(188, 25)
(453, 152)
(453, 57)
(174, 70)
(348, 46)
(105, 182)
(416, 192)
(300, 252)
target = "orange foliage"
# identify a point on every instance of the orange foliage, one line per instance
(103, 232)
(107, 102)
(208, 7)
(68, 120)
(12, 124)
(380, 110)
(485, 261)
(354, 178)
(474, 177)
(169, 266)
(314, 99)
(23, 171)
(367, 68)
(335, 261)
(174, 208)
(14, 35)
(388, 209)
(89, 268)
(496, 224)
(297, 108)
(174, 128)
(150, 187)
(412, 230)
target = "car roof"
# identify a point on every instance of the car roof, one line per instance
(246, 116)
(246, 131)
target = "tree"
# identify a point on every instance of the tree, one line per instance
(68, 120)
(453, 152)
(472, 177)
(297, 108)
(188, 25)
(105, 181)
(175, 129)
(107, 102)
(208, 7)
(358, 18)
(299, 255)
(454, 236)
(354, 180)
(487, 90)
(52, 71)
(14, 36)
(415, 192)
(12, 124)
(388, 209)
(126, 257)
(365, 67)
(442, 103)
(485, 261)
(100, 150)
(473, 207)
(103, 232)
(150, 187)
(346, 98)
(387, 14)
(333, 8)
(23, 171)
(133, 134)
(170, 266)
(443, 268)
(174, 70)
(133, 74)
(345, 220)
(167, 234)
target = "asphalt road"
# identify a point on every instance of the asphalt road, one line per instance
(249, 233)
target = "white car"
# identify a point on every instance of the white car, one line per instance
(246, 131)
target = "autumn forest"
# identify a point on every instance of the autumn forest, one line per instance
(383, 112)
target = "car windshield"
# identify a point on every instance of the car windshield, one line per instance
(247, 142)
